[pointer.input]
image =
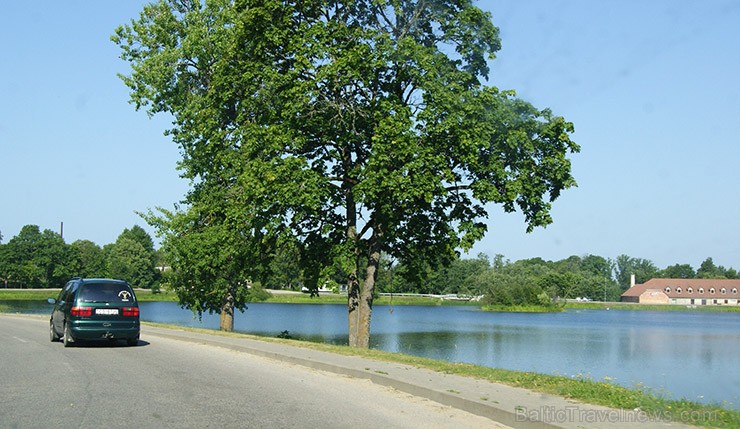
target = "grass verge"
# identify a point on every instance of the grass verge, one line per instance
(523, 308)
(304, 298)
(44, 294)
(295, 298)
(649, 307)
(28, 294)
(168, 296)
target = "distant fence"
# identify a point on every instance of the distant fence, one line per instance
(448, 297)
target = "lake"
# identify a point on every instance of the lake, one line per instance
(692, 355)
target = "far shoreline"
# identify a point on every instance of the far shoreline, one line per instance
(294, 297)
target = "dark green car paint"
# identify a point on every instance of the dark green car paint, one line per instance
(89, 309)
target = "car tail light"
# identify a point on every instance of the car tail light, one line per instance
(82, 311)
(131, 311)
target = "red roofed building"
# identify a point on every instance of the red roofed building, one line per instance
(685, 292)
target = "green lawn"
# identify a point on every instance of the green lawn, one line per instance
(28, 294)
(656, 307)
(296, 298)
(304, 298)
(44, 294)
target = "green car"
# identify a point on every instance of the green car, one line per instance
(89, 309)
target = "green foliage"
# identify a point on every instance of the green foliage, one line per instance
(510, 291)
(209, 261)
(457, 277)
(285, 272)
(132, 258)
(56, 260)
(643, 270)
(91, 259)
(21, 263)
(138, 235)
(258, 293)
(360, 129)
(130, 261)
(530, 282)
(678, 271)
(708, 270)
(36, 259)
(597, 265)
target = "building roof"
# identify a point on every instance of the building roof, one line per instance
(690, 288)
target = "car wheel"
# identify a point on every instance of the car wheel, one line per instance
(52, 333)
(132, 341)
(67, 340)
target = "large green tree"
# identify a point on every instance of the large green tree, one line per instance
(90, 259)
(129, 261)
(132, 258)
(36, 259)
(139, 235)
(56, 258)
(213, 255)
(361, 127)
(678, 271)
(22, 268)
(522, 283)
(708, 270)
(643, 269)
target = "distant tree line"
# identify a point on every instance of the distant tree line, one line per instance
(501, 282)
(42, 259)
(539, 282)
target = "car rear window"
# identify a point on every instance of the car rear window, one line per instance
(106, 292)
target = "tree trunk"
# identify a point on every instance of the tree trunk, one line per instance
(227, 312)
(361, 304)
(353, 308)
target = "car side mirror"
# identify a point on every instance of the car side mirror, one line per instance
(51, 301)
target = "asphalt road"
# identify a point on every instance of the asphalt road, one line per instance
(164, 382)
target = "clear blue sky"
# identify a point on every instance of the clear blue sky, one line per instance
(652, 88)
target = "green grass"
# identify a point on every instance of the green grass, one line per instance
(304, 298)
(147, 295)
(28, 294)
(583, 389)
(651, 307)
(342, 299)
(297, 298)
(523, 308)
(44, 294)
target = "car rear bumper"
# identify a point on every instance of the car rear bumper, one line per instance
(91, 330)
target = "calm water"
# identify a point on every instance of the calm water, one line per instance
(679, 355)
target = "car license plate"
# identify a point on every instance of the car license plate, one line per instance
(106, 311)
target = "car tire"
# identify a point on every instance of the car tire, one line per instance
(132, 341)
(67, 340)
(52, 333)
